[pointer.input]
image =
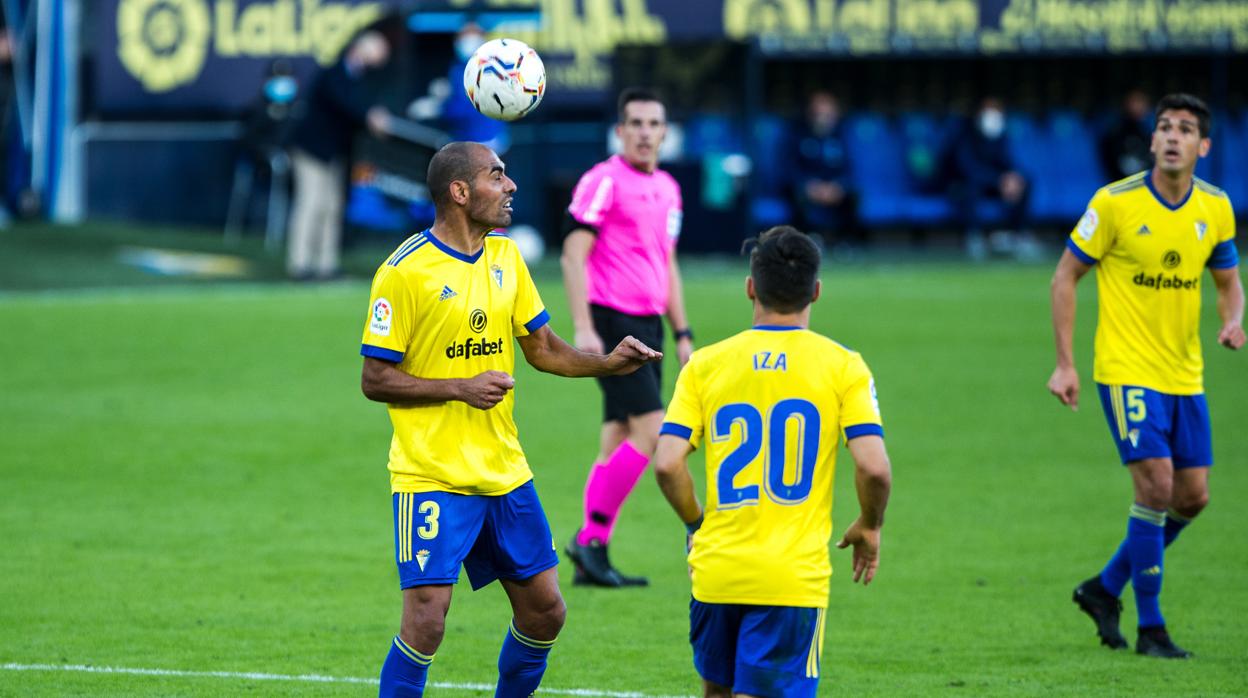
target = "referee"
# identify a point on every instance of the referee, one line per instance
(619, 268)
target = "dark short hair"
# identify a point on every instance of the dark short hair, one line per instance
(454, 162)
(1186, 102)
(635, 94)
(784, 264)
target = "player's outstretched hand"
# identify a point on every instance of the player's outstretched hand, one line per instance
(866, 542)
(1231, 336)
(629, 355)
(487, 389)
(1064, 384)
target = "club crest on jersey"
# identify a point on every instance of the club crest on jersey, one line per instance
(1134, 436)
(1201, 228)
(497, 272)
(447, 293)
(1087, 224)
(379, 319)
(422, 558)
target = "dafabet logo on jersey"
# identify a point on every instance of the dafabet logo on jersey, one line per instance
(164, 44)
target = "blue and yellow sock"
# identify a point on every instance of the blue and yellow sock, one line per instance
(1146, 541)
(404, 673)
(1118, 572)
(521, 664)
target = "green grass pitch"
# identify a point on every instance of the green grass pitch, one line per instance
(193, 482)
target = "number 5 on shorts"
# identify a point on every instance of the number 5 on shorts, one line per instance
(1137, 409)
(431, 510)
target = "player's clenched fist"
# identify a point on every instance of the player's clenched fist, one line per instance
(1231, 336)
(487, 389)
(1064, 384)
(630, 354)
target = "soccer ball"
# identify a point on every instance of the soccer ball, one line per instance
(505, 79)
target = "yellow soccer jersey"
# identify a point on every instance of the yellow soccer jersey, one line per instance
(438, 313)
(771, 403)
(1150, 257)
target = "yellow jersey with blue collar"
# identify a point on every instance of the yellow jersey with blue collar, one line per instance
(1150, 257)
(770, 405)
(437, 313)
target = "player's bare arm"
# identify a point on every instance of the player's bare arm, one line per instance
(576, 249)
(382, 381)
(547, 352)
(676, 317)
(672, 470)
(1230, 306)
(873, 479)
(1064, 383)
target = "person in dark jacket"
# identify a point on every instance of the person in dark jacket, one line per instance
(336, 108)
(1124, 147)
(822, 189)
(984, 171)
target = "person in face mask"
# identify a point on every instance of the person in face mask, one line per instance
(821, 188)
(339, 103)
(985, 172)
(459, 118)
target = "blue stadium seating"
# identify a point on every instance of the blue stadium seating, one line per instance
(897, 165)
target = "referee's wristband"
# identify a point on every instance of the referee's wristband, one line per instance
(684, 334)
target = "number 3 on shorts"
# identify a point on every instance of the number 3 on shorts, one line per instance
(1137, 410)
(431, 510)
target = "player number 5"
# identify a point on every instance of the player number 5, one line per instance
(1137, 409)
(431, 510)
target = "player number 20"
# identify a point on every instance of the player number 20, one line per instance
(431, 510)
(750, 421)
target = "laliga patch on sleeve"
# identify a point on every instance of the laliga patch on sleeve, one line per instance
(675, 218)
(379, 320)
(875, 398)
(1087, 224)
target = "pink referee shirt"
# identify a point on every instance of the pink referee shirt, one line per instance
(637, 216)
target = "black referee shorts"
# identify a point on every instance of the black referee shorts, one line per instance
(638, 392)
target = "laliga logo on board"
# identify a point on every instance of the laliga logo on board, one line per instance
(165, 43)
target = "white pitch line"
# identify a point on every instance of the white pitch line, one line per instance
(309, 678)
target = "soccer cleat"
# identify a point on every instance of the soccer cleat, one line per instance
(1156, 642)
(593, 567)
(1103, 608)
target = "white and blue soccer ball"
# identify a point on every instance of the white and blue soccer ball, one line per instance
(505, 79)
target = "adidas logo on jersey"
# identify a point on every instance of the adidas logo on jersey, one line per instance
(1143, 230)
(447, 293)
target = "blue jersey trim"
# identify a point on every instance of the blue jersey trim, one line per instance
(1224, 256)
(1083, 256)
(538, 322)
(408, 249)
(382, 353)
(1148, 181)
(471, 259)
(777, 328)
(675, 429)
(863, 430)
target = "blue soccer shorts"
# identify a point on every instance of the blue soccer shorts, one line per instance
(1149, 424)
(499, 537)
(764, 651)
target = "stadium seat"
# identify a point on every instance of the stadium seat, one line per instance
(770, 179)
(877, 160)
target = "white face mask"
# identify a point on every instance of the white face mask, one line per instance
(991, 123)
(468, 43)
